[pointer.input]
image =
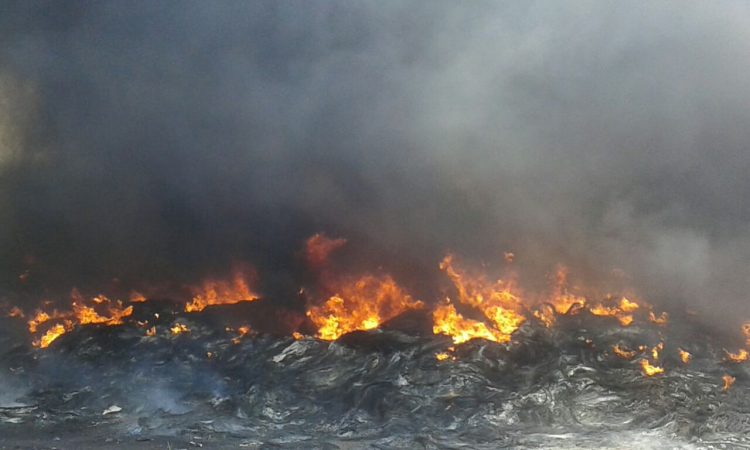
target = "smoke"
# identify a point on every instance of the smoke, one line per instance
(166, 139)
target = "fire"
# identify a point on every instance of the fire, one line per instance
(685, 356)
(39, 318)
(222, 292)
(241, 332)
(50, 335)
(297, 336)
(728, 381)
(151, 331)
(563, 301)
(650, 370)
(738, 357)
(446, 320)
(88, 315)
(656, 349)
(362, 304)
(661, 319)
(623, 353)
(179, 328)
(497, 301)
(622, 311)
(545, 314)
(101, 311)
(442, 356)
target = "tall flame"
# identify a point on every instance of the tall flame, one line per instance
(497, 301)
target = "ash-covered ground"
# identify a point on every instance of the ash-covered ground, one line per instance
(212, 387)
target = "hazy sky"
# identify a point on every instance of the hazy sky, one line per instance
(164, 138)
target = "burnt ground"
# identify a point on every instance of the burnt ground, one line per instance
(115, 387)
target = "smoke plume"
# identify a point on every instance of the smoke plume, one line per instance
(162, 140)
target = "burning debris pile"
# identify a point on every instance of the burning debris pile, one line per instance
(367, 364)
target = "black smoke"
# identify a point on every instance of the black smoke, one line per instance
(163, 140)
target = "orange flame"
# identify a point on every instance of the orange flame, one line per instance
(88, 315)
(685, 356)
(738, 357)
(80, 314)
(623, 352)
(728, 381)
(50, 335)
(497, 301)
(563, 301)
(622, 311)
(650, 370)
(656, 349)
(442, 356)
(545, 314)
(361, 305)
(446, 320)
(661, 319)
(241, 332)
(222, 292)
(179, 328)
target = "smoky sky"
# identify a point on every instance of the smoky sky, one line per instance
(163, 139)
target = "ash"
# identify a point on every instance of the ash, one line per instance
(117, 387)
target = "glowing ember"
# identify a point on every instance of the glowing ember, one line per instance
(685, 356)
(221, 292)
(738, 357)
(179, 328)
(728, 381)
(650, 370)
(623, 352)
(360, 305)
(297, 335)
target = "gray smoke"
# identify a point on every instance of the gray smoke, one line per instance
(162, 139)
